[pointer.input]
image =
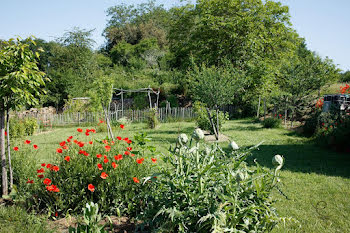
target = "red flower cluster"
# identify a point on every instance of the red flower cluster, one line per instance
(52, 188)
(345, 89)
(140, 161)
(319, 103)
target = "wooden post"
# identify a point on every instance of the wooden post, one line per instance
(122, 105)
(158, 97)
(9, 147)
(150, 100)
(212, 124)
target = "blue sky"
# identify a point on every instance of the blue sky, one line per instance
(323, 23)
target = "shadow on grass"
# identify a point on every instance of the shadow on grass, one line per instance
(247, 128)
(306, 158)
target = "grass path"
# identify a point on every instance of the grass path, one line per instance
(316, 181)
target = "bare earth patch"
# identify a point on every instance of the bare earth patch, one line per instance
(211, 138)
(119, 225)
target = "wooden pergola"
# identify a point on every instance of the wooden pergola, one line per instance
(147, 90)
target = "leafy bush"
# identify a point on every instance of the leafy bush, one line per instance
(205, 189)
(107, 173)
(152, 118)
(30, 125)
(22, 127)
(334, 132)
(271, 122)
(202, 119)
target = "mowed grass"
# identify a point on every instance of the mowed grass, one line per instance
(316, 181)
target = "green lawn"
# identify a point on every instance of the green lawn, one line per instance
(316, 181)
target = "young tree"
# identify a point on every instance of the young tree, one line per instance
(215, 86)
(21, 83)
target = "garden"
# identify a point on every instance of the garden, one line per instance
(197, 118)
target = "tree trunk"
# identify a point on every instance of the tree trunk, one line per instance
(264, 108)
(2, 151)
(258, 112)
(212, 124)
(217, 123)
(8, 147)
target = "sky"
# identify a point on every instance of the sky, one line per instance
(323, 23)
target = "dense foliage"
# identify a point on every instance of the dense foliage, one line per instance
(211, 190)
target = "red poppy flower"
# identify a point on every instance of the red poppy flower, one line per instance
(126, 153)
(35, 147)
(140, 161)
(30, 181)
(41, 170)
(108, 148)
(52, 188)
(99, 166)
(129, 141)
(65, 147)
(136, 180)
(75, 141)
(104, 175)
(47, 181)
(55, 168)
(105, 160)
(132, 155)
(59, 150)
(48, 165)
(43, 164)
(91, 188)
(118, 157)
(56, 214)
(87, 133)
(70, 137)
(129, 148)
(112, 142)
(5, 133)
(99, 156)
(121, 126)
(114, 165)
(93, 130)
(86, 154)
(15, 148)
(63, 143)
(90, 142)
(125, 139)
(105, 142)
(41, 176)
(67, 158)
(154, 160)
(80, 130)
(80, 144)
(26, 142)
(119, 138)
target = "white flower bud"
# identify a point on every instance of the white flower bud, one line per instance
(182, 139)
(277, 160)
(233, 146)
(198, 134)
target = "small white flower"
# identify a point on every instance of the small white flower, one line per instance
(198, 134)
(233, 145)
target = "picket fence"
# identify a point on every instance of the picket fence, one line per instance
(164, 114)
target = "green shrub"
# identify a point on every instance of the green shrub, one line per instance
(205, 189)
(202, 119)
(334, 132)
(22, 127)
(152, 118)
(271, 122)
(30, 125)
(17, 128)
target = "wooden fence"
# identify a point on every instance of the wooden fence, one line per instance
(164, 114)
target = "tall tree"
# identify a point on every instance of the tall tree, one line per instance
(21, 83)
